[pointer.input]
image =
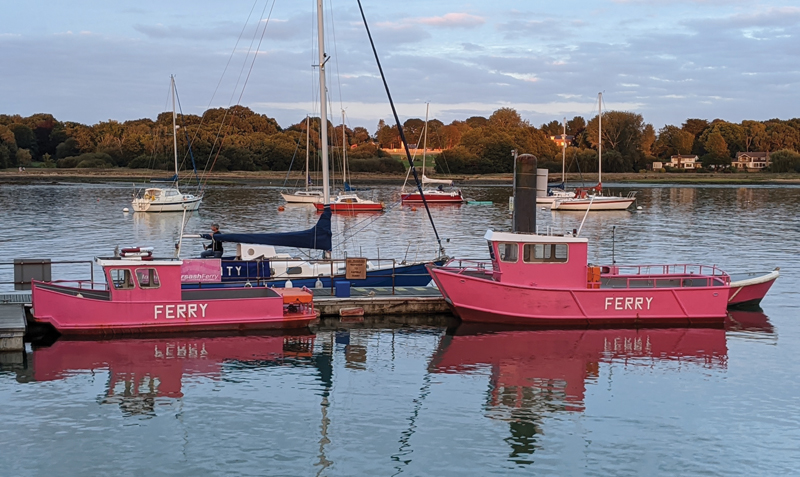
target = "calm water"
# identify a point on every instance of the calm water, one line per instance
(422, 396)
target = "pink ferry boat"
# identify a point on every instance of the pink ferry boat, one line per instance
(545, 280)
(142, 294)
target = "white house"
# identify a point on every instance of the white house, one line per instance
(683, 161)
(751, 161)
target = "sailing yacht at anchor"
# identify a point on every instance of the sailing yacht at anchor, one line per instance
(167, 199)
(307, 195)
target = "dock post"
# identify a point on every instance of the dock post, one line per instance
(524, 193)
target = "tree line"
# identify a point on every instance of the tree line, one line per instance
(237, 138)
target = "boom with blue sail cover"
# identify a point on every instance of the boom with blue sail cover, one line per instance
(317, 237)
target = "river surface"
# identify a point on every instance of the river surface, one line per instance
(423, 395)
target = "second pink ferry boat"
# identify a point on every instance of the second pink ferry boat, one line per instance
(545, 280)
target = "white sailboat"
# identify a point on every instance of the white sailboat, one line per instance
(432, 196)
(167, 199)
(590, 198)
(556, 193)
(307, 195)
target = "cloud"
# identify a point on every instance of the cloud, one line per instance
(453, 20)
(472, 47)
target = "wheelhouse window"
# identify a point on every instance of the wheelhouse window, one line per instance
(147, 278)
(122, 279)
(545, 253)
(509, 252)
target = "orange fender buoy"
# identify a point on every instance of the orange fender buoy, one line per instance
(281, 208)
(413, 209)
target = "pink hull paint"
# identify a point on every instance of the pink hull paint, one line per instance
(487, 301)
(752, 290)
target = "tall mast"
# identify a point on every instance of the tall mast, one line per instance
(425, 139)
(174, 128)
(564, 155)
(308, 173)
(599, 138)
(323, 107)
(344, 153)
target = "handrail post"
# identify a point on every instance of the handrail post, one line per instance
(393, 277)
(333, 289)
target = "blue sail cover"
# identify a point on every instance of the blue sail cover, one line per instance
(317, 237)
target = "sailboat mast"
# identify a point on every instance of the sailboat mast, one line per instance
(599, 138)
(344, 153)
(174, 127)
(564, 155)
(323, 109)
(308, 173)
(425, 139)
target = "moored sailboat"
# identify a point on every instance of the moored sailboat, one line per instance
(591, 198)
(167, 199)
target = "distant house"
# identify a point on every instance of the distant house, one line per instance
(751, 161)
(561, 139)
(684, 161)
(657, 165)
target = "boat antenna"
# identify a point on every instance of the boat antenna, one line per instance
(400, 130)
(588, 207)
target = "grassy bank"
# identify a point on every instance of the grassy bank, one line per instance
(276, 178)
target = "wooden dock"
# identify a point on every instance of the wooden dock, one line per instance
(12, 327)
(376, 301)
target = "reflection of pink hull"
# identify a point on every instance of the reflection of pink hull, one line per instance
(168, 359)
(435, 198)
(488, 301)
(750, 290)
(75, 310)
(530, 359)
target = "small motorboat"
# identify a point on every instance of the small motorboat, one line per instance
(748, 289)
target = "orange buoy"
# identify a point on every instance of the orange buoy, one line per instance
(281, 208)
(413, 209)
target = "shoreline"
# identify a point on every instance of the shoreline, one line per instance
(276, 178)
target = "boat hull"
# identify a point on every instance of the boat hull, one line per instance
(595, 205)
(302, 199)
(487, 301)
(142, 205)
(750, 289)
(235, 272)
(83, 311)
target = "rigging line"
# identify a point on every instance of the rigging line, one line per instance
(233, 92)
(188, 141)
(297, 146)
(400, 130)
(252, 63)
(225, 70)
(336, 54)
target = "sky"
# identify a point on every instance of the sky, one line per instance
(91, 61)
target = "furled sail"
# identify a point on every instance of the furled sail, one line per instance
(317, 237)
(427, 180)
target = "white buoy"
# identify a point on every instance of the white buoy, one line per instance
(638, 207)
(288, 284)
(125, 210)
(318, 283)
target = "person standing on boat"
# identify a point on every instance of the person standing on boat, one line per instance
(214, 249)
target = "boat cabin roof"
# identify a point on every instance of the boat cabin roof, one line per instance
(133, 261)
(493, 236)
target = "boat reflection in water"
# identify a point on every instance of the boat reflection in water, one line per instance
(535, 373)
(141, 370)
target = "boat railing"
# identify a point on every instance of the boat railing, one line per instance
(472, 267)
(27, 269)
(663, 276)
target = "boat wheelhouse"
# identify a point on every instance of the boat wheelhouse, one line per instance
(546, 280)
(143, 294)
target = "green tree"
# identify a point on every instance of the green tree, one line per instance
(673, 140)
